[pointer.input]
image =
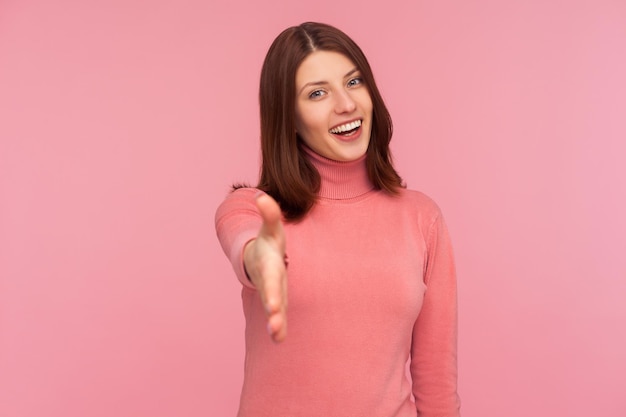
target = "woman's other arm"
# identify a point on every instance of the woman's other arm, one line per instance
(434, 347)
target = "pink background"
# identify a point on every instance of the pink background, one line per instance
(122, 124)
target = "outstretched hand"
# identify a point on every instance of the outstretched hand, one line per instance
(264, 260)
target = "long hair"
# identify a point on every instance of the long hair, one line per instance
(286, 173)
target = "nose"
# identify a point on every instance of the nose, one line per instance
(344, 102)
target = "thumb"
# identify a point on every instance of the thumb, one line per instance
(271, 215)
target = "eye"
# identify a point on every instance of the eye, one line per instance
(316, 94)
(355, 81)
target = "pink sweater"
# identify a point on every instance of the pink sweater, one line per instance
(371, 284)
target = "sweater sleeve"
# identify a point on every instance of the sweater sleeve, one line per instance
(434, 347)
(237, 221)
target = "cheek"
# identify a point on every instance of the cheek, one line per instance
(312, 121)
(302, 116)
(367, 103)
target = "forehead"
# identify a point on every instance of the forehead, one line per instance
(323, 66)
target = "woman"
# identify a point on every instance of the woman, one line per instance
(369, 276)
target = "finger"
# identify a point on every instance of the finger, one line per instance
(271, 214)
(273, 294)
(277, 327)
(281, 332)
(277, 313)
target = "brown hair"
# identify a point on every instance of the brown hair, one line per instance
(286, 173)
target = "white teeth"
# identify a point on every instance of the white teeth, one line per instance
(347, 127)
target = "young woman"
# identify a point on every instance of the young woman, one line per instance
(364, 264)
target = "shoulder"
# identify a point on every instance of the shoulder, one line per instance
(413, 210)
(241, 195)
(240, 199)
(420, 202)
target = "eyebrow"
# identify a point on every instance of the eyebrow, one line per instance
(316, 83)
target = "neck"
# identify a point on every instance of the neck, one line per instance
(340, 180)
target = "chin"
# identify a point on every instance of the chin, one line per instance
(349, 156)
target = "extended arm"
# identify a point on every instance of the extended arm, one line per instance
(251, 233)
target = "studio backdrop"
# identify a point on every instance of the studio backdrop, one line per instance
(123, 125)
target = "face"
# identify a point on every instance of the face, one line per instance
(333, 106)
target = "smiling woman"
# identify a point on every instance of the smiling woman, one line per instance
(362, 250)
(286, 172)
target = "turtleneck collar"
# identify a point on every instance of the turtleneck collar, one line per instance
(340, 180)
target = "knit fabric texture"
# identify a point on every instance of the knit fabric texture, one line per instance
(371, 289)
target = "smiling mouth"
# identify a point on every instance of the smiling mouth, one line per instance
(346, 129)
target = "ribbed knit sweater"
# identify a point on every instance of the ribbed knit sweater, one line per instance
(371, 285)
